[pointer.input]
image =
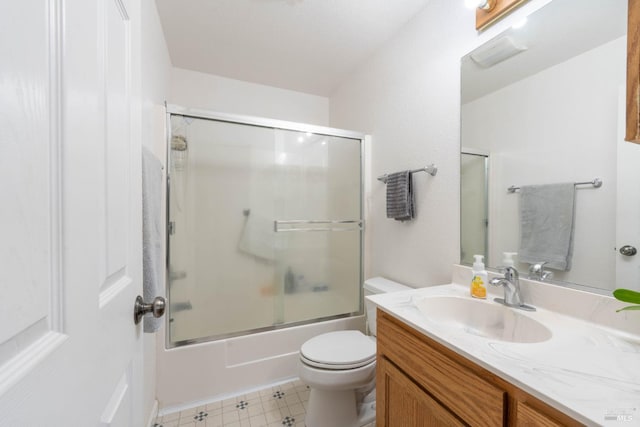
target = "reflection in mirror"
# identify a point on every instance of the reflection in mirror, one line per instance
(473, 204)
(548, 107)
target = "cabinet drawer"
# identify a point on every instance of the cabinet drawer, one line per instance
(474, 400)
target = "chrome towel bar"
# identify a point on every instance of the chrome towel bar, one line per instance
(431, 170)
(596, 182)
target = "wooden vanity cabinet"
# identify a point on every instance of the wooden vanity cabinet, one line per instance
(421, 383)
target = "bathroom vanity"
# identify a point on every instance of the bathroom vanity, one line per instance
(441, 364)
(423, 383)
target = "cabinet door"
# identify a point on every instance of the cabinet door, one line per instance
(401, 403)
(449, 379)
(529, 417)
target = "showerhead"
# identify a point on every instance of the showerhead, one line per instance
(179, 143)
(179, 152)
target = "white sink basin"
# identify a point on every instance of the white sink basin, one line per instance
(484, 318)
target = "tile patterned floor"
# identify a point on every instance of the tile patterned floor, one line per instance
(277, 406)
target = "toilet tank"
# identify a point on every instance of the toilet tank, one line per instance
(378, 285)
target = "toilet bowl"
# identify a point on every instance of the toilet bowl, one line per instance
(339, 368)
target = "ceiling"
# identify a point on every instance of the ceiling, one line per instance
(309, 46)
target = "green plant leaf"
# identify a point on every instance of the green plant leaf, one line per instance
(627, 295)
(629, 307)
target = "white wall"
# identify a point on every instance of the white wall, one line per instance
(407, 96)
(155, 75)
(205, 91)
(583, 120)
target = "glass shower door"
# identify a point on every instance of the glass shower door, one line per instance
(221, 240)
(265, 228)
(318, 225)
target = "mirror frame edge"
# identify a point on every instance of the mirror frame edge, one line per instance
(633, 73)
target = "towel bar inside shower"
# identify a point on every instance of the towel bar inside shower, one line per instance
(596, 182)
(431, 170)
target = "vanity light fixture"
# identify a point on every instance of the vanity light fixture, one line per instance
(489, 11)
(486, 5)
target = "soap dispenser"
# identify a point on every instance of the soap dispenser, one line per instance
(507, 259)
(480, 278)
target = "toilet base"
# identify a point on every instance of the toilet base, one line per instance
(338, 408)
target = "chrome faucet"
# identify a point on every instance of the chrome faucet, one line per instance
(537, 272)
(511, 284)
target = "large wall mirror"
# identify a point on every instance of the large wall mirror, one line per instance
(545, 104)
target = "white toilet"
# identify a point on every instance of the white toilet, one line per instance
(340, 367)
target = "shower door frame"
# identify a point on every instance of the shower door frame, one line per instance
(172, 109)
(486, 155)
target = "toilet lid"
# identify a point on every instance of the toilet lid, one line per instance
(339, 350)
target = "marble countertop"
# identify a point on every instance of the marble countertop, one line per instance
(590, 371)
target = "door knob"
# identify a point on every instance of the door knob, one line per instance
(140, 308)
(628, 250)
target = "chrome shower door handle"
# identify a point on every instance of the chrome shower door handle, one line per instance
(156, 307)
(628, 250)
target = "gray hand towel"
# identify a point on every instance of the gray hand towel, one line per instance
(152, 265)
(546, 224)
(400, 203)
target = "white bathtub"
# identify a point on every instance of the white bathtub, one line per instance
(196, 374)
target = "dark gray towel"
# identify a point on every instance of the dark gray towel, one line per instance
(400, 196)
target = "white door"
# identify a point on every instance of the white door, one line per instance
(627, 206)
(70, 250)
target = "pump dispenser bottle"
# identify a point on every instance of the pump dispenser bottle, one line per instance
(507, 259)
(480, 278)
